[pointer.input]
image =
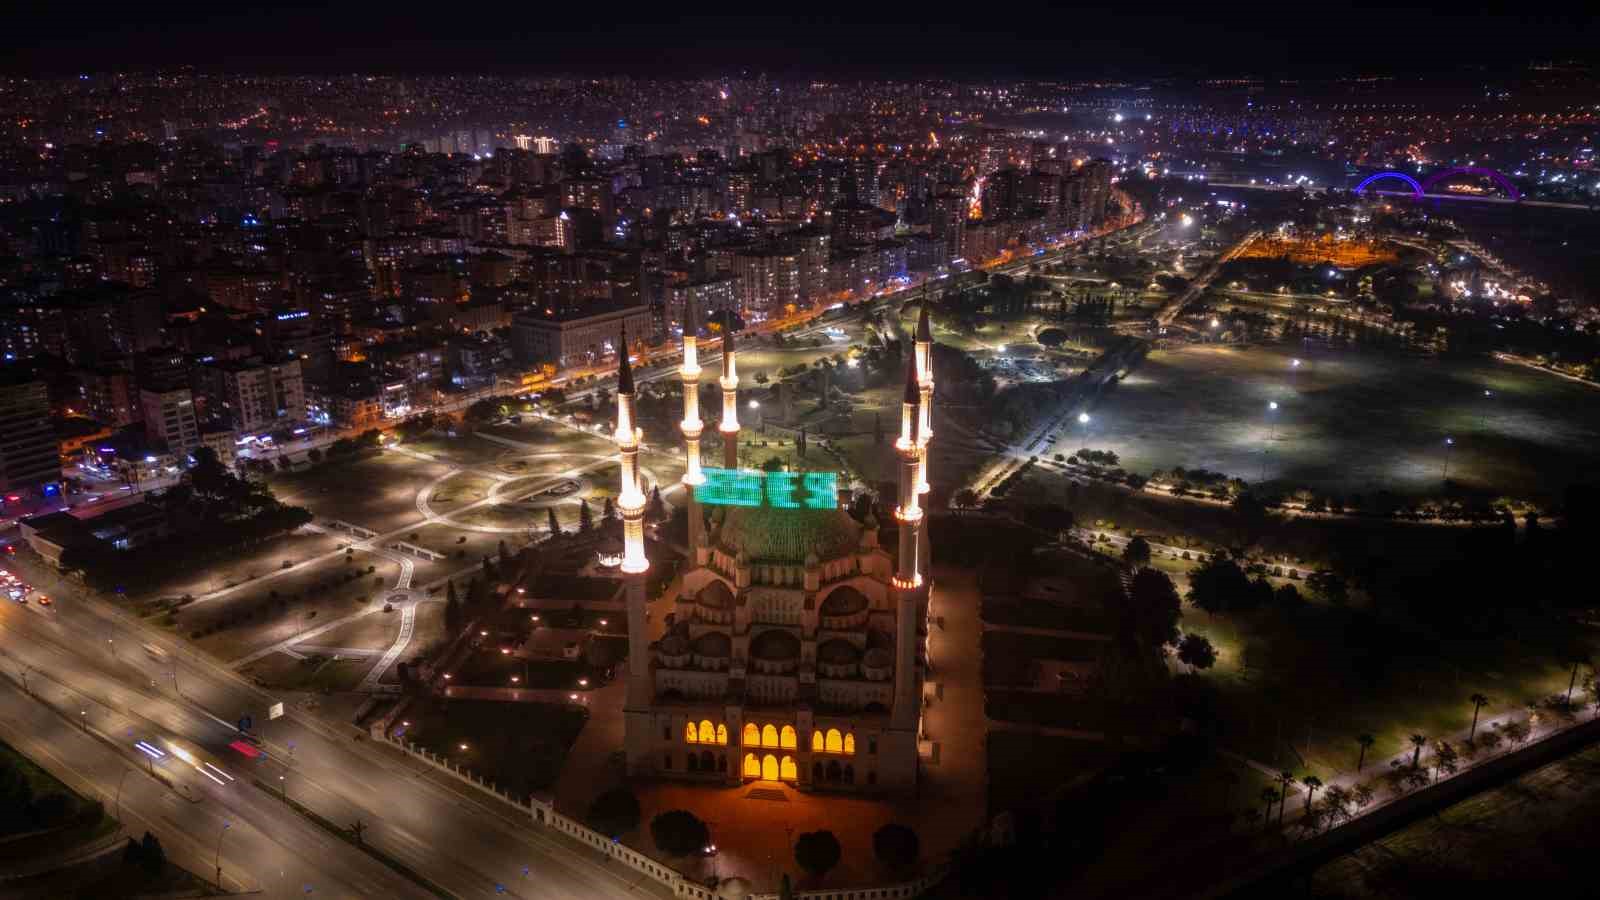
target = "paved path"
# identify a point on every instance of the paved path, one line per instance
(408, 624)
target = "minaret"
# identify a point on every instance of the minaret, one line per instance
(907, 711)
(630, 503)
(730, 398)
(691, 426)
(924, 359)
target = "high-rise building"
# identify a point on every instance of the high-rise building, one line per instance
(169, 419)
(769, 281)
(253, 397)
(30, 455)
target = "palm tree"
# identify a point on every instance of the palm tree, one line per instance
(1418, 741)
(1578, 659)
(1366, 741)
(1478, 702)
(1313, 784)
(1269, 796)
(1285, 778)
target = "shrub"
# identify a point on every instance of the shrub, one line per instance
(817, 852)
(679, 832)
(896, 846)
(615, 812)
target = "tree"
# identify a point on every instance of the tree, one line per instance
(1196, 652)
(772, 464)
(817, 852)
(614, 812)
(1137, 552)
(151, 857)
(1269, 796)
(678, 832)
(1418, 742)
(966, 498)
(1479, 701)
(1313, 784)
(1337, 801)
(1366, 741)
(585, 516)
(453, 619)
(1153, 609)
(1330, 586)
(1445, 759)
(1217, 584)
(504, 551)
(555, 527)
(314, 455)
(896, 846)
(609, 510)
(655, 509)
(16, 794)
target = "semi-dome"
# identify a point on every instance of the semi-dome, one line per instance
(734, 888)
(838, 652)
(715, 596)
(844, 601)
(877, 658)
(713, 644)
(774, 534)
(775, 645)
(674, 645)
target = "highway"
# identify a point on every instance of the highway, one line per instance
(83, 655)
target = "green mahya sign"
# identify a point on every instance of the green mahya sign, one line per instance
(783, 490)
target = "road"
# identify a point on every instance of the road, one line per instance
(85, 654)
(1170, 310)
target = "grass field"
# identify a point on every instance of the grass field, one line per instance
(518, 746)
(1349, 421)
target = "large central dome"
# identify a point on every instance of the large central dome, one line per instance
(770, 534)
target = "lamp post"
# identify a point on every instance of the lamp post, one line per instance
(1449, 442)
(223, 831)
(1083, 419)
(761, 420)
(120, 782)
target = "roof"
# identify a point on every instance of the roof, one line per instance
(775, 644)
(771, 534)
(844, 601)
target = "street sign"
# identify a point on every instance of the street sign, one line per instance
(275, 711)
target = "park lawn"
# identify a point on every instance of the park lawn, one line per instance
(312, 596)
(553, 437)
(377, 492)
(490, 668)
(318, 673)
(465, 451)
(1304, 708)
(1025, 768)
(518, 747)
(1008, 656)
(459, 490)
(248, 563)
(1348, 421)
(375, 631)
(475, 546)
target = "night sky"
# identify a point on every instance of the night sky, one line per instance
(1043, 39)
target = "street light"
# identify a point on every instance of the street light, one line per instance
(1449, 442)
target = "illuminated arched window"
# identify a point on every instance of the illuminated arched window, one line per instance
(722, 733)
(752, 766)
(752, 734)
(835, 741)
(769, 768)
(850, 743)
(707, 734)
(816, 742)
(787, 739)
(769, 737)
(788, 770)
(689, 732)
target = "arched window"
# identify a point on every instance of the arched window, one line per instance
(835, 741)
(694, 763)
(849, 774)
(834, 772)
(816, 742)
(850, 743)
(722, 763)
(752, 766)
(816, 773)
(722, 733)
(787, 739)
(752, 735)
(689, 732)
(769, 736)
(769, 768)
(707, 763)
(707, 734)
(788, 771)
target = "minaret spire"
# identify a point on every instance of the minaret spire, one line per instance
(691, 425)
(630, 498)
(924, 361)
(730, 397)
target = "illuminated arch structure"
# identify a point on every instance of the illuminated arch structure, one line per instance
(1427, 185)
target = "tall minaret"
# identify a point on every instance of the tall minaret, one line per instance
(630, 503)
(730, 398)
(908, 585)
(924, 359)
(691, 426)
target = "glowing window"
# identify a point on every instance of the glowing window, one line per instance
(769, 768)
(752, 735)
(707, 733)
(816, 742)
(835, 741)
(769, 736)
(752, 768)
(787, 739)
(789, 771)
(850, 743)
(689, 732)
(722, 733)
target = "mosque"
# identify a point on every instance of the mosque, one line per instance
(796, 649)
